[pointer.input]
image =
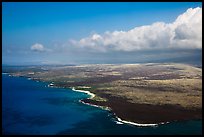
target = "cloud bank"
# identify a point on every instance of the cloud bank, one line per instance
(184, 33)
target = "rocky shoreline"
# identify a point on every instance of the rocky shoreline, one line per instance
(144, 94)
(145, 113)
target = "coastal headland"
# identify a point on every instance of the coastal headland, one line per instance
(147, 94)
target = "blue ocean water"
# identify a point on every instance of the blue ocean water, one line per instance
(30, 107)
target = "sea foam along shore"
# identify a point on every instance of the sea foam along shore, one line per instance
(84, 91)
(132, 123)
(92, 96)
(119, 120)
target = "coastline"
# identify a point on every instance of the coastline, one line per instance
(118, 120)
(140, 125)
(84, 91)
(92, 96)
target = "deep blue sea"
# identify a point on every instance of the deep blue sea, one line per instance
(30, 107)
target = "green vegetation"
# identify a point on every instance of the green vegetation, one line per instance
(97, 98)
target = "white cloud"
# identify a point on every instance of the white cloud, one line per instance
(185, 33)
(39, 48)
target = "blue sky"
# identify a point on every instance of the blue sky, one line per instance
(52, 25)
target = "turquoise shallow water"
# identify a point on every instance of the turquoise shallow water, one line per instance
(30, 107)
